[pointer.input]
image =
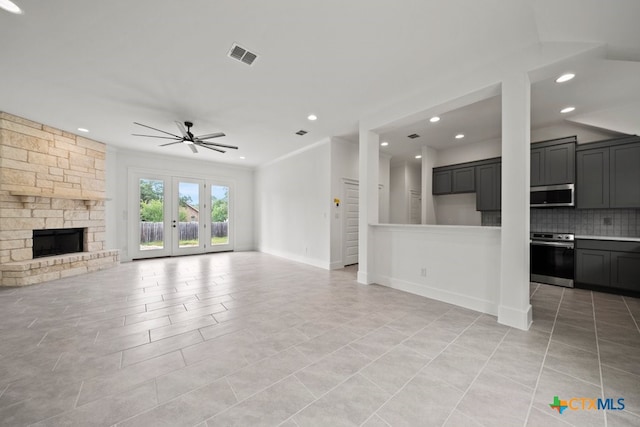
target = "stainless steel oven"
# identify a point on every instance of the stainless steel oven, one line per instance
(552, 258)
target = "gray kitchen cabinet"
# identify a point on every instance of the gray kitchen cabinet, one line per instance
(537, 167)
(593, 267)
(592, 189)
(442, 183)
(559, 164)
(625, 176)
(608, 174)
(553, 162)
(488, 187)
(613, 264)
(464, 180)
(625, 271)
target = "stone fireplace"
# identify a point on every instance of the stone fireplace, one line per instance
(49, 180)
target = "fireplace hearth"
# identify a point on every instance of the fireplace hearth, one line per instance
(57, 241)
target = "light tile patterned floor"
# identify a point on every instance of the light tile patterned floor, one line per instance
(249, 339)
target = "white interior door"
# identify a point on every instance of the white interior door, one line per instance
(350, 228)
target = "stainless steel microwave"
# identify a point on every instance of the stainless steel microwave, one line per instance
(550, 196)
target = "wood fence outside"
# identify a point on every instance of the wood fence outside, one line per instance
(154, 231)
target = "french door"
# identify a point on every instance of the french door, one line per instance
(172, 215)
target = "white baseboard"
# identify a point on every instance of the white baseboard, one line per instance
(515, 318)
(465, 301)
(297, 258)
(336, 265)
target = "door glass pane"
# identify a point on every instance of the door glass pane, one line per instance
(219, 215)
(151, 214)
(188, 214)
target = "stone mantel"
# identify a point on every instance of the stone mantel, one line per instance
(27, 197)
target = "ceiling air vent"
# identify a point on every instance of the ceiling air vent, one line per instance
(242, 54)
(413, 136)
(302, 132)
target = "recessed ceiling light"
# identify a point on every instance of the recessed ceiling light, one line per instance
(460, 136)
(80, 129)
(242, 157)
(434, 119)
(312, 117)
(384, 144)
(567, 110)
(418, 156)
(10, 6)
(565, 78)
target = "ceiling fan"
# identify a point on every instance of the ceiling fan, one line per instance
(188, 138)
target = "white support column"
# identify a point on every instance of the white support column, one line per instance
(515, 309)
(368, 194)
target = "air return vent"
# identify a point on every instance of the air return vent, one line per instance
(242, 54)
(413, 136)
(302, 132)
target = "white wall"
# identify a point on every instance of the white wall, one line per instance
(585, 134)
(384, 182)
(344, 166)
(293, 203)
(460, 209)
(404, 177)
(457, 209)
(469, 152)
(397, 198)
(461, 264)
(120, 161)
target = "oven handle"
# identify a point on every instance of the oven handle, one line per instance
(556, 244)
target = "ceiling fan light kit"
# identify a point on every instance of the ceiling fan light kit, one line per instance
(189, 138)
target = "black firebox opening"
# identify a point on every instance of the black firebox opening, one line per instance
(57, 241)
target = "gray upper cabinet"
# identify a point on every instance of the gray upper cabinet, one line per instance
(488, 187)
(625, 176)
(553, 162)
(537, 167)
(442, 183)
(559, 164)
(608, 174)
(592, 189)
(464, 180)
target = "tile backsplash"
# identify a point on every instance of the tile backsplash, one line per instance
(585, 222)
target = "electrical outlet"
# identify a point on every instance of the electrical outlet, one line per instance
(423, 272)
(607, 221)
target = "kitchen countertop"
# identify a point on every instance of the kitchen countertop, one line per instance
(615, 238)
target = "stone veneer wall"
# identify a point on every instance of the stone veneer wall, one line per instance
(49, 179)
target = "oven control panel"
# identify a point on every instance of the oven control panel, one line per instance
(553, 236)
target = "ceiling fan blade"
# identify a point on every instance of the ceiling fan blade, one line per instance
(154, 136)
(183, 131)
(193, 148)
(211, 135)
(170, 143)
(233, 147)
(211, 148)
(140, 124)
